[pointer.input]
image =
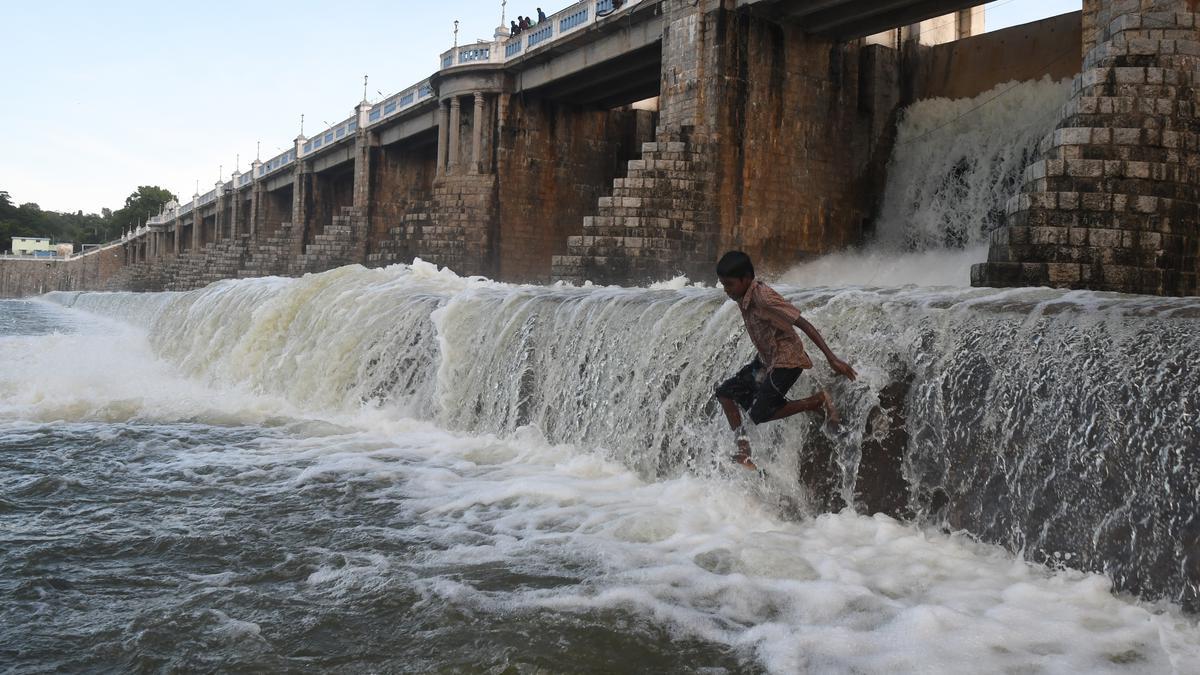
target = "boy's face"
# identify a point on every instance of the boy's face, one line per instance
(735, 287)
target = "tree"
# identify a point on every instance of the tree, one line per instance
(147, 201)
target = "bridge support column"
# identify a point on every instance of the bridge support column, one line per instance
(256, 200)
(477, 123)
(235, 216)
(197, 225)
(443, 136)
(363, 144)
(178, 235)
(219, 218)
(301, 196)
(455, 131)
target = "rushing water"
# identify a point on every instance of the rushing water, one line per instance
(403, 470)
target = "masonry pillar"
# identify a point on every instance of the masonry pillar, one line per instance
(477, 133)
(443, 136)
(1113, 202)
(301, 188)
(178, 234)
(197, 222)
(219, 219)
(235, 216)
(362, 170)
(455, 124)
(256, 195)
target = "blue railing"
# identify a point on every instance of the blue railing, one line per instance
(472, 55)
(425, 91)
(448, 60)
(404, 100)
(573, 20)
(541, 35)
(603, 6)
(514, 46)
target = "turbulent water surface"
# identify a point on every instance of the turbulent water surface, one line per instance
(401, 470)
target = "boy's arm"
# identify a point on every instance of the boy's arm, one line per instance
(839, 366)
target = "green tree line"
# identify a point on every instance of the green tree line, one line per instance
(29, 220)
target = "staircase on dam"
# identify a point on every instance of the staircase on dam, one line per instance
(342, 242)
(656, 221)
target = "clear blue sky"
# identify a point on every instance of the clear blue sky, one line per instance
(99, 98)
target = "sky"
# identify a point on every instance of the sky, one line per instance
(99, 98)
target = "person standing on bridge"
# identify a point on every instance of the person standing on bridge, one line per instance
(541, 15)
(514, 28)
(761, 387)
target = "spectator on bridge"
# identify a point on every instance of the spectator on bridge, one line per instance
(526, 24)
(541, 15)
(514, 29)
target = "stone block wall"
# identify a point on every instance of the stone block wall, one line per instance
(554, 162)
(462, 228)
(656, 222)
(402, 194)
(1114, 201)
(342, 242)
(23, 278)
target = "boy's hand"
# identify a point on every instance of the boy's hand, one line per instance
(842, 368)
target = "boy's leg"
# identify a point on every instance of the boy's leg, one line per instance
(819, 400)
(732, 412)
(771, 402)
(735, 393)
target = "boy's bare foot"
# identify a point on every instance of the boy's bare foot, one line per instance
(742, 456)
(831, 413)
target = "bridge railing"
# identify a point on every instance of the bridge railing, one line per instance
(575, 18)
(332, 135)
(397, 103)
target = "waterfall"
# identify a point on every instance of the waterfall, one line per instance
(956, 163)
(1059, 423)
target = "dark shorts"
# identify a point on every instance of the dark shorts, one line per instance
(761, 398)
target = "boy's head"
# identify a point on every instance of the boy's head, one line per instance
(735, 272)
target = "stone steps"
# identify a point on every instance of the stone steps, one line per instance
(653, 225)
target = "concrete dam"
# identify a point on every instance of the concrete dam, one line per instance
(1020, 450)
(525, 158)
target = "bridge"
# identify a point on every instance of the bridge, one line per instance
(588, 55)
(620, 144)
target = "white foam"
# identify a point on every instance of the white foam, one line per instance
(838, 593)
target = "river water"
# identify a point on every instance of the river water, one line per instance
(405, 471)
(402, 470)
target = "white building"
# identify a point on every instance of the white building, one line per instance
(35, 246)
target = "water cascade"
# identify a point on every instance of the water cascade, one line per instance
(956, 163)
(1060, 424)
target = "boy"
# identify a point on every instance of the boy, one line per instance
(761, 387)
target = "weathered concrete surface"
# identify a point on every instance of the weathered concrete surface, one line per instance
(22, 278)
(1114, 201)
(968, 67)
(555, 161)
